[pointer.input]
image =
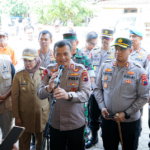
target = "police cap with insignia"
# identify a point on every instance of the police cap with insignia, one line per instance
(136, 31)
(70, 36)
(123, 42)
(107, 33)
(29, 53)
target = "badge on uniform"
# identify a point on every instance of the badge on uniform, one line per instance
(105, 85)
(114, 64)
(108, 70)
(74, 74)
(51, 52)
(76, 70)
(54, 70)
(56, 67)
(130, 72)
(90, 55)
(44, 73)
(23, 88)
(94, 67)
(85, 78)
(144, 79)
(4, 67)
(52, 59)
(71, 66)
(148, 57)
(73, 84)
(128, 81)
(139, 49)
(73, 90)
(84, 73)
(139, 56)
(106, 77)
(127, 65)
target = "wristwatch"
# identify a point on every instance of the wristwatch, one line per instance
(127, 116)
(70, 97)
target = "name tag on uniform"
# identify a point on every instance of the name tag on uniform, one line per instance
(138, 59)
(95, 62)
(23, 84)
(73, 78)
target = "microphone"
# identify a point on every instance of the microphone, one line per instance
(57, 79)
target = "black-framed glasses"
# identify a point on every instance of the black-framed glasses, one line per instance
(93, 43)
(104, 37)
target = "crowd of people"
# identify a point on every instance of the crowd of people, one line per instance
(100, 87)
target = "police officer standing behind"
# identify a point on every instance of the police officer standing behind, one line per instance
(98, 56)
(6, 76)
(68, 118)
(139, 54)
(45, 53)
(121, 87)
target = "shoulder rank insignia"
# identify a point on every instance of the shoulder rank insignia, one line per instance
(139, 56)
(127, 65)
(144, 79)
(108, 70)
(44, 73)
(139, 49)
(84, 73)
(130, 72)
(74, 74)
(114, 64)
(76, 70)
(128, 81)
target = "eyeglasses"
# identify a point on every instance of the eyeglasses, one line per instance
(93, 43)
(28, 61)
(104, 37)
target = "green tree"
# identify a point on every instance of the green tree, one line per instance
(64, 10)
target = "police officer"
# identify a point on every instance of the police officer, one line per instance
(45, 53)
(68, 118)
(28, 110)
(121, 87)
(98, 56)
(78, 56)
(6, 76)
(91, 42)
(139, 54)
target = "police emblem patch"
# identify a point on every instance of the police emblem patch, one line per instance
(130, 72)
(144, 79)
(105, 85)
(114, 64)
(127, 65)
(44, 73)
(76, 70)
(108, 70)
(128, 81)
(73, 84)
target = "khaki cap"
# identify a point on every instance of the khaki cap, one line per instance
(29, 53)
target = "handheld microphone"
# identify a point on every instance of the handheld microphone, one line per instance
(57, 79)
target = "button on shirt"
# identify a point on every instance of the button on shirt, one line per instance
(124, 90)
(141, 57)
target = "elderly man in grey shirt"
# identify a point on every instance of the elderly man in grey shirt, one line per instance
(121, 87)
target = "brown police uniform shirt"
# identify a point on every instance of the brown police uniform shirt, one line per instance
(49, 59)
(67, 115)
(5, 84)
(25, 103)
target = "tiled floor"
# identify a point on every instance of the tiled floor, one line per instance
(143, 139)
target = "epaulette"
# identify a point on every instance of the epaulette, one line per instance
(51, 65)
(80, 65)
(96, 48)
(42, 68)
(107, 61)
(22, 69)
(138, 65)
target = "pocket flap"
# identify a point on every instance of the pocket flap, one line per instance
(6, 75)
(45, 108)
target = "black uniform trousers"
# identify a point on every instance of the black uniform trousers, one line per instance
(130, 134)
(94, 114)
(73, 139)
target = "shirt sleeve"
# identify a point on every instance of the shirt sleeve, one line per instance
(12, 71)
(142, 93)
(13, 57)
(98, 89)
(42, 92)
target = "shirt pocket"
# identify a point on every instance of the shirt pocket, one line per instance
(128, 86)
(72, 86)
(7, 78)
(106, 81)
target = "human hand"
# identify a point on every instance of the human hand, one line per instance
(18, 121)
(119, 117)
(105, 113)
(51, 82)
(60, 93)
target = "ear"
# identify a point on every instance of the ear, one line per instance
(51, 41)
(141, 38)
(77, 42)
(112, 39)
(130, 50)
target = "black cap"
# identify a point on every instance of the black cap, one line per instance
(123, 42)
(107, 33)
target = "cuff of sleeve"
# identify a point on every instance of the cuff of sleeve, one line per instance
(75, 97)
(91, 73)
(46, 93)
(101, 105)
(130, 111)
